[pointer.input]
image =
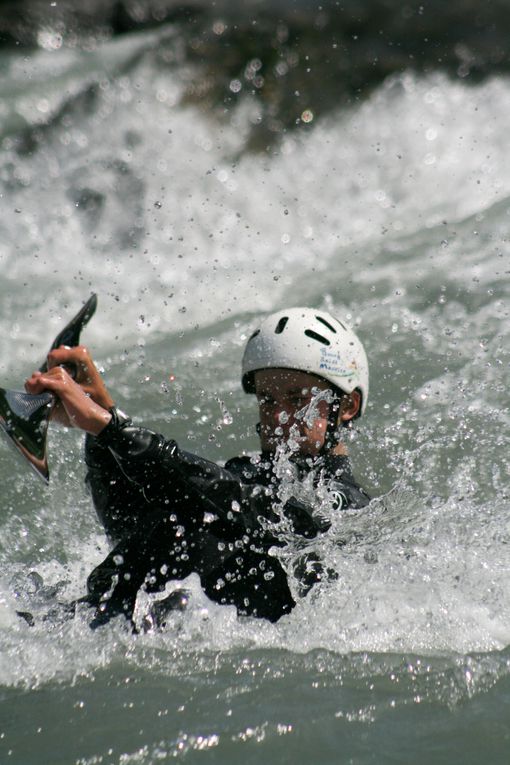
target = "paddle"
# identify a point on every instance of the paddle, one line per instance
(24, 417)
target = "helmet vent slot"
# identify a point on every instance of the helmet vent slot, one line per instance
(326, 323)
(257, 332)
(316, 336)
(281, 325)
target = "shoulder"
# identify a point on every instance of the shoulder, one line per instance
(347, 494)
(344, 490)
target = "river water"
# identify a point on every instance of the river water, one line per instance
(392, 213)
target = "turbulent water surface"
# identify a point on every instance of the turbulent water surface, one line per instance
(393, 214)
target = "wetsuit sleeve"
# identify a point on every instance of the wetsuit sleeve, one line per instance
(120, 506)
(178, 483)
(192, 487)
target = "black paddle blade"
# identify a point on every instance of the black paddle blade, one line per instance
(24, 418)
(70, 335)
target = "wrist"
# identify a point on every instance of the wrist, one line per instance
(105, 418)
(116, 421)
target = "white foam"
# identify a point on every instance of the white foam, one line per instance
(348, 216)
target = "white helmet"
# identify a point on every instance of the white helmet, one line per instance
(309, 341)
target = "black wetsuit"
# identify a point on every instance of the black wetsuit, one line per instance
(171, 513)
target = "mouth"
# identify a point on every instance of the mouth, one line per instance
(281, 435)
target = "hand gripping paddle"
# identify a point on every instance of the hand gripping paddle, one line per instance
(24, 417)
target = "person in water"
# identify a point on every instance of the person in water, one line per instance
(169, 513)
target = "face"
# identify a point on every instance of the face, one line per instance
(281, 394)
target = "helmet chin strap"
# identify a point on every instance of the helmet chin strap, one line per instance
(331, 436)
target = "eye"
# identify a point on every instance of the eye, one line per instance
(299, 399)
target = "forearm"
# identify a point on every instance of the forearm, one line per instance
(190, 486)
